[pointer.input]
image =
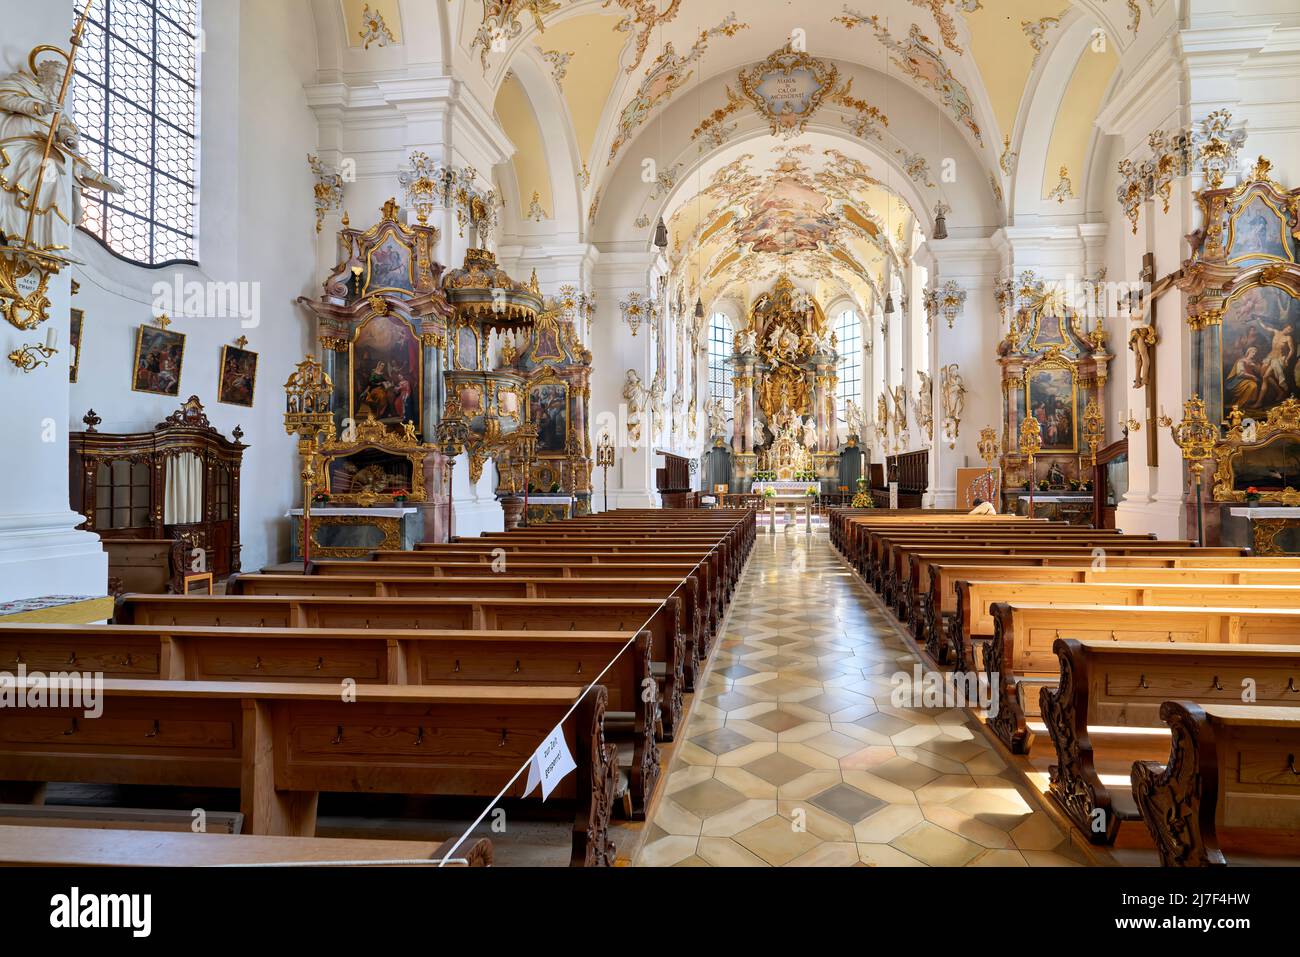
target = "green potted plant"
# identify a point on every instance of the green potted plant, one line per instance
(399, 496)
(1252, 496)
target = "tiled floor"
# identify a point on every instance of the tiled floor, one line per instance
(792, 753)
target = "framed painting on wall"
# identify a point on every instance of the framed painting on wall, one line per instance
(390, 268)
(159, 354)
(74, 338)
(238, 376)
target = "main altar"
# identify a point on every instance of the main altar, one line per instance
(784, 428)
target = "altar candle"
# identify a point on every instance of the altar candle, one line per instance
(51, 337)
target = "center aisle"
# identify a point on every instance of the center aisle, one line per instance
(793, 754)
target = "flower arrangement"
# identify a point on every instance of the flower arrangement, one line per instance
(399, 495)
(320, 497)
(811, 490)
(1252, 495)
(769, 492)
(863, 499)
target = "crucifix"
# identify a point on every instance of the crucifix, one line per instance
(1142, 340)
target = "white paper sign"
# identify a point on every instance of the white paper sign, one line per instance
(893, 495)
(550, 763)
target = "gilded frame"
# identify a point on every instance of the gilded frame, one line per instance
(546, 380)
(505, 389)
(397, 235)
(1282, 219)
(374, 435)
(419, 371)
(1283, 422)
(221, 373)
(76, 335)
(135, 362)
(1054, 361)
(456, 362)
(1260, 280)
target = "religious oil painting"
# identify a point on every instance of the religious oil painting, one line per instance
(1259, 331)
(1050, 397)
(392, 268)
(386, 371)
(238, 376)
(370, 470)
(1271, 467)
(74, 339)
(158, 357)
(548, 409)
(1258, 232)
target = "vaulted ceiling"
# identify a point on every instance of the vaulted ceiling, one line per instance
(614, 68)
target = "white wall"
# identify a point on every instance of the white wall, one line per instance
(257, 226)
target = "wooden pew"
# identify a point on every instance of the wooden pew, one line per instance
(1231, 782)
(974, 623)
(697, 626)
(660, 618)
(283, 744)
(1105, 684)
(720, 585)
(907, 589)
(710, 606)
(1025, 634)
(937, 581)
(369, 656)
(26, 846)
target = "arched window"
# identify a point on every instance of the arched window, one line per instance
(848, 330)
(721, 336)
(135, 102)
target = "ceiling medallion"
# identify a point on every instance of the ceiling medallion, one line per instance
(788, 88)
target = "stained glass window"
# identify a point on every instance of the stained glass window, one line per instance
(135, 101)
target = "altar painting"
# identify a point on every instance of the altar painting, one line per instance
(1050, 399)
(390, 268)
(548, 410)
(1258, 232)
(1259, 333)
(386, 371)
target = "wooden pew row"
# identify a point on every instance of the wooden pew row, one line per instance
(387, 657)
(855, 534)
(840, 520)
(1019, 659)
(894, 567)
(908, 589)
(976, 598)
(539, 562)
(660, 618)
(880, 545)
(1231, 782)
(283, 744)
(698, 632)
(866, 537)
(733, 559)
(720, 584)
(708, 610)
(1106, 685)
(932, 621)
(28, 846)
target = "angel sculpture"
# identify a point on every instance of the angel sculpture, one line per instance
(810, 434)
(853, 416)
